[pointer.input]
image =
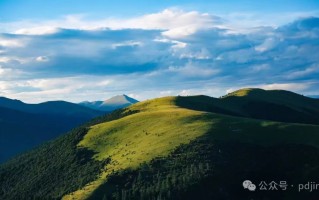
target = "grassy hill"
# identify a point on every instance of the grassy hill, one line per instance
(168, 148)
(275, 105)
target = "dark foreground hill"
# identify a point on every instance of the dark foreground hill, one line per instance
(158, 149)
(23, 126)
(275, 105)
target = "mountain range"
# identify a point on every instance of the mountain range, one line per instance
(24, 126)
(194, 147)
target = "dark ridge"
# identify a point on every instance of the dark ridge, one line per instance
(24, 126)
(274, 105)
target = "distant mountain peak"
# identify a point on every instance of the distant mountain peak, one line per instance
(113, 103)
(120, 99)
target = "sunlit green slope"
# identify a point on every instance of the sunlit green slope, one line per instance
(157, 129)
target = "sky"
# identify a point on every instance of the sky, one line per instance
(92, 50)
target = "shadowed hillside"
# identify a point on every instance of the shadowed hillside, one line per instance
(23, 126)
(275, 105)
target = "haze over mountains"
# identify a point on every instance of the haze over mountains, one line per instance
(314, 96)
(116, 102)
(194, 147)
(24, 126)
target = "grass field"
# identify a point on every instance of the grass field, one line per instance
(157, 130)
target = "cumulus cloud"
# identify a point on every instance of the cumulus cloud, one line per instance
(174, 21)
(157, 54)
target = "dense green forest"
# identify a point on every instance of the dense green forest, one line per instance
(206, 169)
(54, 169)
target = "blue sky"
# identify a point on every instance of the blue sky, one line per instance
(91, 50)
(44, 9)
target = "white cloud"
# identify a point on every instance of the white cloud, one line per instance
(42, 59)
(202, 54)
(5, 42)
(190, 70)
(127, 43)
(285, 86)
(5, 59)
(9, 74)
(42, 30)
(134, 96)
(4, 88)
(301, 73)
(168, 19)
(180, 32)
(178, 45)
(174, 23)
(14, 59)
(267, 45)
(37, 90)
(229, 90)
(71, 83)
(4, 72)
(185, 93)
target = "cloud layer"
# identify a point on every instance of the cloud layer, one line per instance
(167, 53)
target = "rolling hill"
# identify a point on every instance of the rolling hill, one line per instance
(276, 105)
(23, 126)
(175, 148)
(50, 108)
(116, 102)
